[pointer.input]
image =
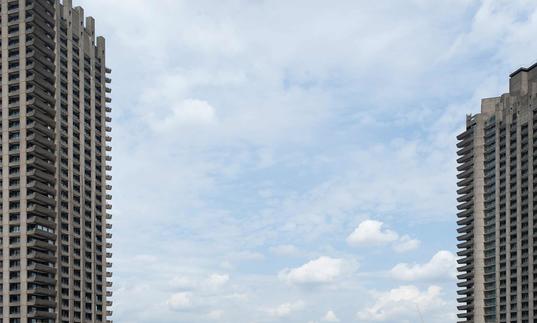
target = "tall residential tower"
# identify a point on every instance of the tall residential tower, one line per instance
(497, 195)
(54, 153)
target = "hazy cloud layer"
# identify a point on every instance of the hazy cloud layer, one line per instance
(256, 142)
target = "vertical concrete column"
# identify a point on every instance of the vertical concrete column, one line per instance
(57, 140)
(497, 214)
(508, 175)
(90, 26)
(23, 166)
(518, 215)
(531, 142)
(479, 222)
(69, 20)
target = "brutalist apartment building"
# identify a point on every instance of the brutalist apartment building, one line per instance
(497, 210)
(55, 158)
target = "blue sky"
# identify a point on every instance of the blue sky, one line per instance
(294, 161)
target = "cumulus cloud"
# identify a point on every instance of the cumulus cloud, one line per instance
(403, 303)
(373, 233)
(405, 244)
(287, 309)
(330, 317)
(370, 232)
(246, 76)
(320, 271)
(217, 280)
(442, 265)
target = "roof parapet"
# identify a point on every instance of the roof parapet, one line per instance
(520, 81)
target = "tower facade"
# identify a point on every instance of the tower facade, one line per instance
(497, 210)
(55, 157)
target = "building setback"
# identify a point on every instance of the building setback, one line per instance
(497, 210)
(54, 153)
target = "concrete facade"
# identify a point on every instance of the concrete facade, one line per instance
(496, 164)
(55, 158)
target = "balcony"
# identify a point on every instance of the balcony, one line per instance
(41, 314)
(40, 187)
(41, 140)
(41, 199)
(465, 197)
(465, 182)
(41, 256)
(36, 126)
(466, 228)
(42, 291)
(465, 237)
(41, 152)
(466, 205)
(40, 175)
(38, 244)
(465, 245)
(41, 210)
(41, 221)
(41, 302)
(463, 151)
(42, 165)
(41, 234)
(41, 279)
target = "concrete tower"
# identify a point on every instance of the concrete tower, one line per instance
(497, 198)
(54, 165)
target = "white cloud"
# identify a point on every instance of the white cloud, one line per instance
(443, 265)
(287, 309)
(370, 232)
(330, 317)
(406, 244)
(337, 142)
(402, 304)
(180, 301)
(191, 283)
(217, 280)
(373, 233)
(320, 271)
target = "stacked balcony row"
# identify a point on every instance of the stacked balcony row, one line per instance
(465, 222)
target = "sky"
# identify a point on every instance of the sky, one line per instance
(294, 161)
